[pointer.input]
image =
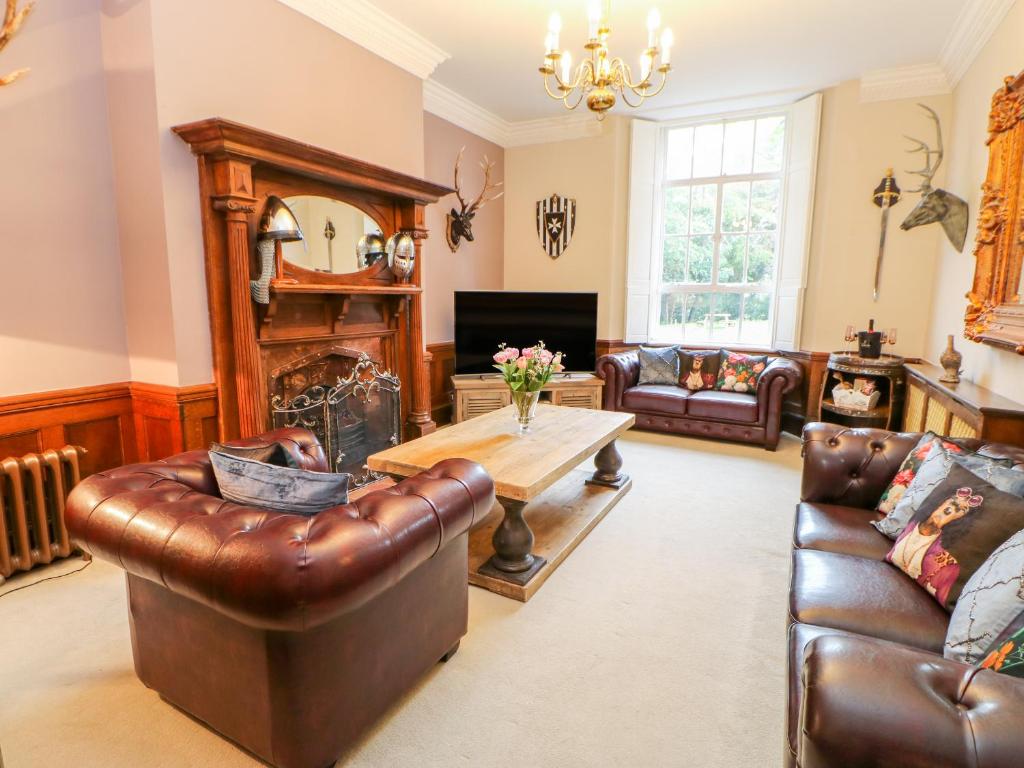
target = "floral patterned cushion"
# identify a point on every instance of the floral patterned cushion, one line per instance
(739, 373)
(699, 369)
(658, 365)
(954, 531)
(924, 467)
(1006, 653)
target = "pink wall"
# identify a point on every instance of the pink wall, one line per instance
(263, 64)
(476, 265)
(61, 317)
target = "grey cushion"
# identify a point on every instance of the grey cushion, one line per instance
(932, 472)
(658, 365)
(282, 489)
(991, 599)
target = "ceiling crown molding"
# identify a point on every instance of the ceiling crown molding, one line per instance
(904, 83)
(973, 28)
(376, 31)
(456, 109)
(442, 101)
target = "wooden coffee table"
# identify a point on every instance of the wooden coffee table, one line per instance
(534, 473)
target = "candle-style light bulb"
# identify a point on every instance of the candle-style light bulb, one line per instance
(566, 66)
(645, 66)
(653, 22)
(666, 47)
(554, 27)
(550, 42)
(593, 19)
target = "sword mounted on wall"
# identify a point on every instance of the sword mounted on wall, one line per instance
(886, 195)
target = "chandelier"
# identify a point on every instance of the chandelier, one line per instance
(598, 77)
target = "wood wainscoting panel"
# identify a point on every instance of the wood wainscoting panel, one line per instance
(442, 367)
(98, 418)
(117, 424)
(170, 420)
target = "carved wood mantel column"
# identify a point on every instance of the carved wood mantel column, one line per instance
(237, 204)
(420, 421)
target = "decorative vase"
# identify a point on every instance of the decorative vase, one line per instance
(526, 408)
(950, 361)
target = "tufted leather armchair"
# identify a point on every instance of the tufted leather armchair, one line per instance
(748, 418)
(289, 635)
(867, 683)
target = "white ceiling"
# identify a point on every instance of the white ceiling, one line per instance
(725, 49)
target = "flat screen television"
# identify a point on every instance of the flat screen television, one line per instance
(566, 322)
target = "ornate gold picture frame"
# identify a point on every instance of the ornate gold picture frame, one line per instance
(995, 312)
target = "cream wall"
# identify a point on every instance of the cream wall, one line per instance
(476, 265)
(858, 142)
(61, 313)
(593, 171)
(967, 159)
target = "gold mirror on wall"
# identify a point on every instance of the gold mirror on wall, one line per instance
(338, 237)
(995, 312)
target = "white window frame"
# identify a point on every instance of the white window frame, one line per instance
(646, 206)
(658, 234)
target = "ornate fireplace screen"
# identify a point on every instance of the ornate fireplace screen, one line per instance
(358, 416)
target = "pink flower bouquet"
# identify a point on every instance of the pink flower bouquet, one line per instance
(529, 370)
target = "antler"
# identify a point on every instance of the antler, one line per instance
(482, 198)
(928, 172)
(13, 19)
(458, 191)
(487, 165)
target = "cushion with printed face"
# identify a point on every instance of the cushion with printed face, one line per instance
(991, 599)
(658, 365)
(282, 489)
(1006, 653)
(739, 373)
(911, 486)
(954, 531)
(699, 369)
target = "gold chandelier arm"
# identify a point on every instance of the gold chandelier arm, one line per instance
(661, 86)
(552, 94)
(625, 96)
(565, 99)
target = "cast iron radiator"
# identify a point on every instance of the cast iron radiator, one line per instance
(32, 493)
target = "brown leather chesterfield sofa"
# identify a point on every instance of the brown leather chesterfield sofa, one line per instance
(289, 635)
(867, 682)
(746, 418)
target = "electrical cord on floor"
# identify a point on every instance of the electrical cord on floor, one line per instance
(48, 578)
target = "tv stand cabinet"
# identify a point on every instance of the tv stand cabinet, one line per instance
(477, 394)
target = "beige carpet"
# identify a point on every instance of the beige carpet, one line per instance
(658, 643)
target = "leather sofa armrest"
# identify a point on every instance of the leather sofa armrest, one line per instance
(868, 702)
(791, 374)
(620, 371)
(851, 467)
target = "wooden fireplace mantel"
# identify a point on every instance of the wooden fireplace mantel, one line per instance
(309, 313)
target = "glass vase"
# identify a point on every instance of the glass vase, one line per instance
(526, 408)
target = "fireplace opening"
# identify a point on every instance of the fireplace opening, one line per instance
(356, 417)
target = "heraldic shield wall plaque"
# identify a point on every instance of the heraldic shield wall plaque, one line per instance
(556, 220)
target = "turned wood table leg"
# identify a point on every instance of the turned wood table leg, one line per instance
(513, 559)
(609, 468)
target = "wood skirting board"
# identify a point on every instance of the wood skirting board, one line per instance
(117, 424)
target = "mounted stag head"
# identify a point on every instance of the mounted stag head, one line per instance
(937, 205)
(460, 223)
(13, 19)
